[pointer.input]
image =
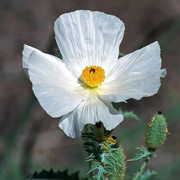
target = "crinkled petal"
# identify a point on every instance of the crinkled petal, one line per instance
(90, 112)
(135, 75)
(88, 38)
(54, 86)
(27, 51)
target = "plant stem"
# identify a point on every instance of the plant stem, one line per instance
(139, 173)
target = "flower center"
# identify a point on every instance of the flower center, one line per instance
(93, 75)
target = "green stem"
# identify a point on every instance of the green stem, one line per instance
(140, 172)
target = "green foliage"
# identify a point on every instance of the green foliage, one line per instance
(100, 171)
(106, 158)
(156, 132)
(141, 174)
(155, 136)
(111, 164)
(92, 136)
(144, 176)
(144, 154)
(90, 144)
(131, 115)
(118, 164)
(60, 175)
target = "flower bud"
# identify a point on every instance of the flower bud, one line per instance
(156, 132)
(99, 131)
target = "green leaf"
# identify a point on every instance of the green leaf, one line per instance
(131, 115)
(90, 157)
(101, 171)
(94, 167)
(144, 153)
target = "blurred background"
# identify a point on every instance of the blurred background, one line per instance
(30, 139)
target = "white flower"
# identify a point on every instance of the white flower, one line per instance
(81, 87)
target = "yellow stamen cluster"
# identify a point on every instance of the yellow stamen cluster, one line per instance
(93, 75)
(110, 140)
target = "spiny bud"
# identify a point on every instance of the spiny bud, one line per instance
(156, 132)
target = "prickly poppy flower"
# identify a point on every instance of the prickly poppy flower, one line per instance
(80, 87)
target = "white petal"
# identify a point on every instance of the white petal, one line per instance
(89, 112)
(27, 51)
(54, 86)
(135, 75)
(88, 38)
